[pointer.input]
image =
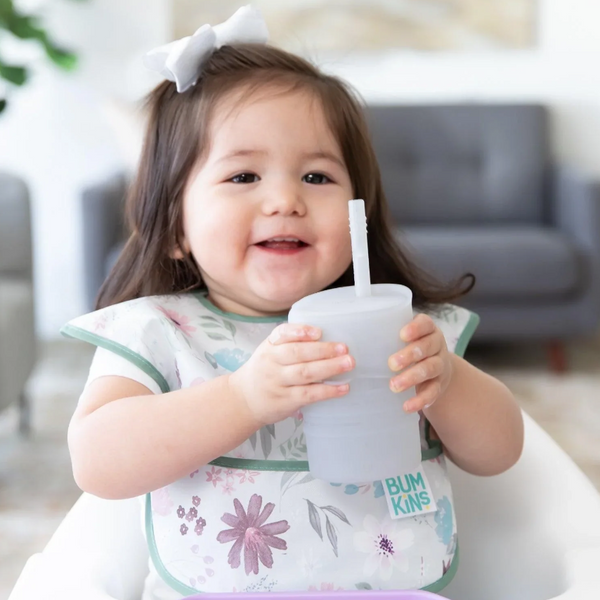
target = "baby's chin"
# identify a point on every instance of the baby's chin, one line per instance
(279, 299)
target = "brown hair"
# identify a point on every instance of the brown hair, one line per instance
(176, 137)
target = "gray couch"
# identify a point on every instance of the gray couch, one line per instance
(17, 327)
(471, 188)
(474, 188)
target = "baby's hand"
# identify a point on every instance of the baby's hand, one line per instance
(285, 372)
(432, 369)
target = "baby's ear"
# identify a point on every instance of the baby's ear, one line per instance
(179, 251)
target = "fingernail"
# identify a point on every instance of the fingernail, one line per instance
(340, 349)
(395, 364)
(313, 333)
(417, 352)
(407, 406)
(404, 334)
(348, 362)
(397, 386)
(274, 337)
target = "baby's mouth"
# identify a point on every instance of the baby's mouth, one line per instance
(283, 243)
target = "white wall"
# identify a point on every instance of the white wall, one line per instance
(56, 136)
(562, 71)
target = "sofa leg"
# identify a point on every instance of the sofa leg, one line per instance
(24, 414)
(557, 357)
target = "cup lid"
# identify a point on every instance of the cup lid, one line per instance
(343, 300)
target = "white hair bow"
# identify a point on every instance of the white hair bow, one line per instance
(181, 61)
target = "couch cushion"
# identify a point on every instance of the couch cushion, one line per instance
(509, 262)
(462, 164)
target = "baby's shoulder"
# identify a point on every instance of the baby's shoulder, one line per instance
(140, 317)
(458, 325)
(150, 332)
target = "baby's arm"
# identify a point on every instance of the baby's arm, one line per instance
(125, 441)
(478, 421)
(474, 415)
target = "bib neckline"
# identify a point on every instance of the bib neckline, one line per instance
(201, 296)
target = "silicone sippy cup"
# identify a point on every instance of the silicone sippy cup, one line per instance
(365, 435)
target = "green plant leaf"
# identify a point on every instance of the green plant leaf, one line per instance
(28, 27)
(25, 27)
(6, 7)
(13, 74)
(63, 58)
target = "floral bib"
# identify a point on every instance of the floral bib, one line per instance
(255, 519)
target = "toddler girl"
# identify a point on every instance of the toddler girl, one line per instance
(193, 403)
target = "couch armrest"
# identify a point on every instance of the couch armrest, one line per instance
(103, 227)
(577, 209)
(15, 228)
(576, 212)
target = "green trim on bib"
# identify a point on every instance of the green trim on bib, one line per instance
(446, 578)
(186, 590)
(467, 334)
(201, 297)
(248, 464)
(154, 555)
(251, 464)
(139, 361)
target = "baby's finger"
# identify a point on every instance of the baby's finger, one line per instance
(300, 352)
(427, 395)
(427, 346)
(423, 371)
(315, 371)
(421, 325)
(293, 332)
(315, 392)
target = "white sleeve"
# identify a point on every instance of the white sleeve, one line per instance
(106, 362)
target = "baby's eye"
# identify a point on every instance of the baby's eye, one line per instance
(245, 178)
(316, 178)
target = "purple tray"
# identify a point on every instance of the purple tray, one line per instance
(341, 595)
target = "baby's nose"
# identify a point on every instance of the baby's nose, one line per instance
(284, 200)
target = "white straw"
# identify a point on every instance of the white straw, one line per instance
(360, 249)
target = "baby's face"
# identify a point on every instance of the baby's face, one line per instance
(274, 170)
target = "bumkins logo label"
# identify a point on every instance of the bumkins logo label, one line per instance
(409, 495)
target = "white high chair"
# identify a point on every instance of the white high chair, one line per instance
(532, 533)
